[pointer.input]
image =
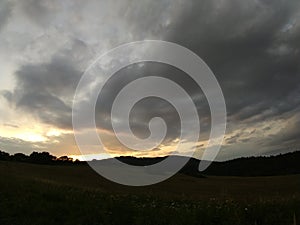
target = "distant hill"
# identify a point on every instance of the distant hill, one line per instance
(284, 164)
(191, 168)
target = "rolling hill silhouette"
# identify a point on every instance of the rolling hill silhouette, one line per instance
(283, 164)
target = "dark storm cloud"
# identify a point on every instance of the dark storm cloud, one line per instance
(5, 12)
(253, 49)
(235, 39)
(46, 90)
(151, 107)
(251, 46)
(39, 11)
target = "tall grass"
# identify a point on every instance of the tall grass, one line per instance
(35, 200)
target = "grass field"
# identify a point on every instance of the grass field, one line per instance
(39, 194)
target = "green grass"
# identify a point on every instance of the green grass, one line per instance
(41, 195)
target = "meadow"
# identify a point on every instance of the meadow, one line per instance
(33, 194)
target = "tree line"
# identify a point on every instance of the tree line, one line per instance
(37, 157)
(282, 164)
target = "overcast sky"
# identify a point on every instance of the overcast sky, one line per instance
(252, 46)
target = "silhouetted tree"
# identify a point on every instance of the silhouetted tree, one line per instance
(4, 156)
(20, 157)
(41, 157)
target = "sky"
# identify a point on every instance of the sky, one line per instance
(252, 47)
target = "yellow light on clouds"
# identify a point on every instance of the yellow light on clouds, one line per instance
(53, 133)
(31, 137)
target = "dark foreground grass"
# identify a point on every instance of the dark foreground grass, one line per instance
(41, 195)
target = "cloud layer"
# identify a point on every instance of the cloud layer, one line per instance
(251, 46)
